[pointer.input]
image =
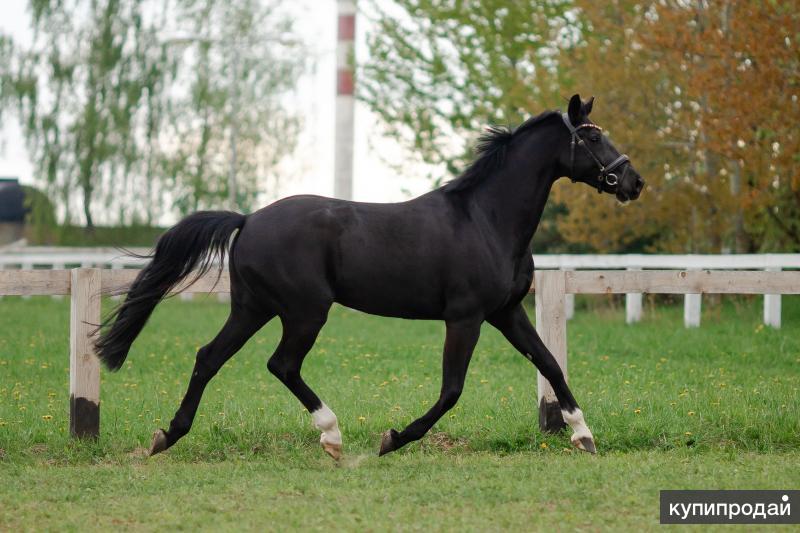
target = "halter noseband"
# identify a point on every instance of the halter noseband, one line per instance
(607, 174)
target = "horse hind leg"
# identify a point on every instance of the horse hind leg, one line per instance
(298, 338)
(240, 326)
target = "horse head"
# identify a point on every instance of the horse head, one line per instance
(592, 159)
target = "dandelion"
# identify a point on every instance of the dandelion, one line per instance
(484, 381)
(690, 413)
(47, 417)
(637, 411)
(688, 433)
(362, 418)
(543, 446)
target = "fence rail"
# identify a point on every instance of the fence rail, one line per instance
(28, 257)
(551, 287)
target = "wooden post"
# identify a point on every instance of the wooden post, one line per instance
(57, 266)
(26, 266)
(116, 266)
(551, 323)
(84, 367)
(633, 305)
(692, 308)
(569, 306)
(772, 307)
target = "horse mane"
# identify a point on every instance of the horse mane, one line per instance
(490, 152)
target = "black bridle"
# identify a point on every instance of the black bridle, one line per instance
(607, 174)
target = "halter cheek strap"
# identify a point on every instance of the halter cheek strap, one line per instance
(606, 174)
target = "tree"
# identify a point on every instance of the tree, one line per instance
(77, 89)
(702, 95)
(439, 71)
(119, 120)
(239, 60)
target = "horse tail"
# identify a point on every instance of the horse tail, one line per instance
(193, 244)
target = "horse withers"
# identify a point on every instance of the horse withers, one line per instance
(459, 253)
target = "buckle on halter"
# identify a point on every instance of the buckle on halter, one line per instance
(611, 179)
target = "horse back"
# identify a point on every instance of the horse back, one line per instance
(419, 259)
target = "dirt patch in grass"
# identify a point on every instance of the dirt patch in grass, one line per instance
(443, 442)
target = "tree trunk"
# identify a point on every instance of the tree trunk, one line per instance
(87, 212)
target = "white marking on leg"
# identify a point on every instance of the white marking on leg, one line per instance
(578, 425)
(325, 420)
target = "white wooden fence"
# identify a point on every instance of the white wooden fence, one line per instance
(84, 286)
(553, 287)
(28, 257)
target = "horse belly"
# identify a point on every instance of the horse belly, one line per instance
(391, 293)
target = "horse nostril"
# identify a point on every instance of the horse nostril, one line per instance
(639, 183)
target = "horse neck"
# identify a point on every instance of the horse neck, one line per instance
(513, 198)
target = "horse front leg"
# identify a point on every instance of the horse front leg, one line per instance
(515, 325)
(460, 341)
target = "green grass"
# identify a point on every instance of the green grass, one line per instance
(714, 407)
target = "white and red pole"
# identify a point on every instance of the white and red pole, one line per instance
(345, 102)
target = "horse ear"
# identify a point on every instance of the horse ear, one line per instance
(587, 108)
(575, 109)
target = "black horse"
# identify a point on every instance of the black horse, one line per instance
(459, 253)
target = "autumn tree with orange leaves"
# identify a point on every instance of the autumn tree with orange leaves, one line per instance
(706, 95)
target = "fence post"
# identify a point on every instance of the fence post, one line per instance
(84, 367)
(633, 305)
(692, 307)
(26, 266)
(569, 306)
(551, 323)
(116, 266)
(772, 307)
(57, 266)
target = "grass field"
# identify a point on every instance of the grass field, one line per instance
(714, 407)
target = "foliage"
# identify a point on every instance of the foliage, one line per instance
(702, 95)
(232, 118)
(114, 236)
(439, 70)
(121, 121)
(717, 406)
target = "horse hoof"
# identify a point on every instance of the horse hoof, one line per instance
(159, 443)
(388, 442)
(334, 450)
(586, 444)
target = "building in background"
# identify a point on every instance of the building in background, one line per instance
(12, 210)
